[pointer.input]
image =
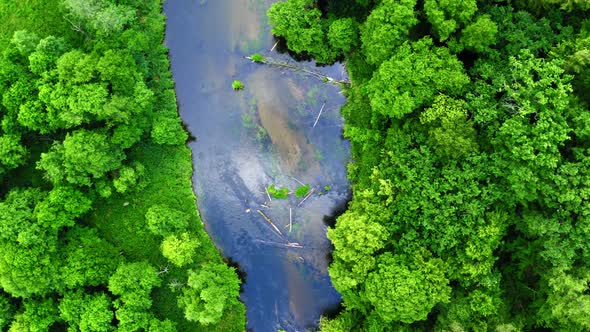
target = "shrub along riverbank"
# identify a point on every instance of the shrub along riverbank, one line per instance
(469, 129)
(98, 223)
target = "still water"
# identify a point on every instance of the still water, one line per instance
(250, 139)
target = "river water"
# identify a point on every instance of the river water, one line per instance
(250, 139)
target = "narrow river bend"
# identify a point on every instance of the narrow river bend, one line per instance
(249, 139)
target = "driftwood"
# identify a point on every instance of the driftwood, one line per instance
(315, 74)
(294, 178)
(275, 45)
(281, 245)
(320, 114)
(270, 222)
(307, 196)
(163, 270)
(267, 194)
(290, 220)
(174, 283)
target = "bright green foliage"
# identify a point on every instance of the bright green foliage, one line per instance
(46, 54)
(447, 15)
(257, 57)
(343, 34)
(579, 61)
(413, 76)
(451, 134)
(406, 289)
(537, 98)
(386, 28)
(209, 291)
(61, 207)
(38, 316)
(163, 220)
(132, 318)
(475, 310)
(133, 283)
(568, 304)
(161, 326)
(167, 167)
(25, 41)
(23, 271)
(83, 157)
(302, 190)
(130, 178)
(361, 237)
(356, 239)
(470, 173)
(180, 250)
(278, 193)
(168, 130)
(299, 21)
(344, 322)
(519, 30)
(86, 313)
(237, 85)
(568, 5)
(23, 243)
(12, 153)
(102, 16)
(479, 35)
(89, 259)
(78, 98)
(118, 68)
(76, 67)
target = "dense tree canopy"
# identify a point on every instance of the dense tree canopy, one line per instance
(88, 116)
(208, 293)
(468, 123)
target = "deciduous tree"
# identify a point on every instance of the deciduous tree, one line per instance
(210, 291)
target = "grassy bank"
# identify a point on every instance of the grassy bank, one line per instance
(121, 220)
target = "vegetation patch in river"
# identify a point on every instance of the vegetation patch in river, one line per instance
(237, 85)
(301, 191)
(278, 193)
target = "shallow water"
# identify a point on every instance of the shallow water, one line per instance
(250, 139)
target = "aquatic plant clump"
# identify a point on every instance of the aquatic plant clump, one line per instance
(257, 57)
(281, 193)
(302, 190)
(237, 85)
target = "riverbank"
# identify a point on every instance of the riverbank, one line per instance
(91, 142)
(468, 123)
(270, 132)
(169, 171)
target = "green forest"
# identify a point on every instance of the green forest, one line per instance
(98, 225)
(469, 125)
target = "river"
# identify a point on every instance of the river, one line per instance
(247, 140)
